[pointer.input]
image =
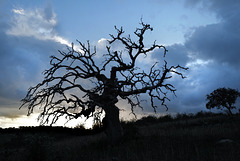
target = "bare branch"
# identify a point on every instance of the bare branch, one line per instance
(63, 92)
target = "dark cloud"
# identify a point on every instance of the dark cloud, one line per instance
(177, 55)
(212, 54)
(225, 10)
(218, 42)
(215, 42)
(23, 64)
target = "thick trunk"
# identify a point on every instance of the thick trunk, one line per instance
(112, 124)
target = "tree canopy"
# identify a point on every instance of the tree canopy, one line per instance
(222, 98)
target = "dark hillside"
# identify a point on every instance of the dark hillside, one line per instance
(203, 136)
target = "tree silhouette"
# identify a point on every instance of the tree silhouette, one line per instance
(222, 98)
(76, 86)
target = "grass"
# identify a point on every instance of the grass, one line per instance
(188, 138)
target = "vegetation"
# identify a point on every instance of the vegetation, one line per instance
(62, 93)
(202, 136)
(223, 98)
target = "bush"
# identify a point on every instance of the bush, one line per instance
(148, 120)
(165, 118)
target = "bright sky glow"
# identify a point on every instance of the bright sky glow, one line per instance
(32, 121)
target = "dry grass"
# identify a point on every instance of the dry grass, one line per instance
(182, 139)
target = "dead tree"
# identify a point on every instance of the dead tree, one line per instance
(65, 91)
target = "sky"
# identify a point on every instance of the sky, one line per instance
(202, 35)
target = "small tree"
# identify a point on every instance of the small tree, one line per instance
(65, 91)
(222, 98)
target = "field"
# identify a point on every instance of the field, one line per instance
(186, 137)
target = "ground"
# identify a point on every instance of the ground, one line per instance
(215, 138)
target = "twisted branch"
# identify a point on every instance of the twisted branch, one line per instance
(62, 92)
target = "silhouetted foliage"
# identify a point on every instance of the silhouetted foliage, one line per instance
(148, 119)
(63, 93)
(204, 114)
(183, 116)
(79, 131)
(222, 98)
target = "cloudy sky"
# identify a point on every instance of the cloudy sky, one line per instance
(203, 35)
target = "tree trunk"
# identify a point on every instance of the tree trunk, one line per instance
(112, 124)
(229, 111)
